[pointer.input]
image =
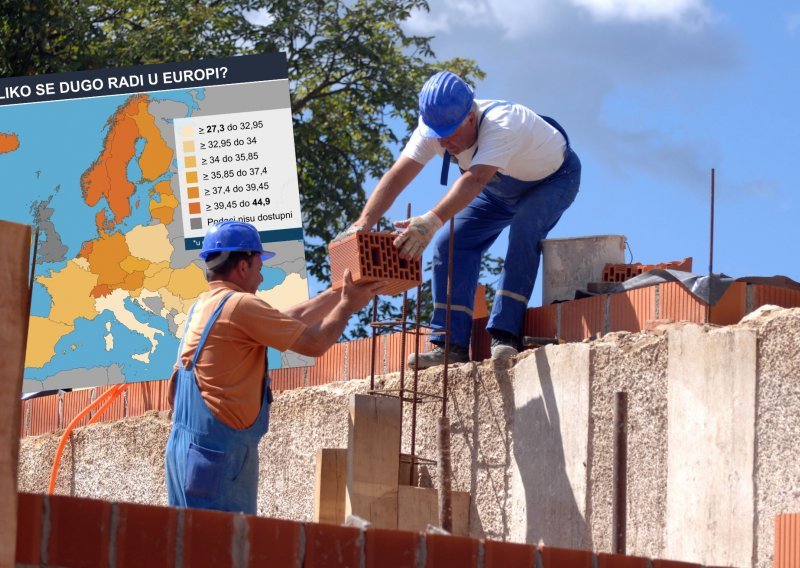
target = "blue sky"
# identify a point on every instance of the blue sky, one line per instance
(654, 93)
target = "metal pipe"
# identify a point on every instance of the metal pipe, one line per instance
(374, 333)
(416, 385)
(445, 467)
(403, 353)
(620, 472)
(447, 316)
(711, 248)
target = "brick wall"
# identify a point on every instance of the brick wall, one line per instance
(69, 531)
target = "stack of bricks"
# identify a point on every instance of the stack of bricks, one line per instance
(60, 530)
(623, 272)
(371, 257)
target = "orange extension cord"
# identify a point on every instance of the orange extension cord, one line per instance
(107, 397)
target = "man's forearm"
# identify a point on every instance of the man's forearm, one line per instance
(464, 190)
(311, 311)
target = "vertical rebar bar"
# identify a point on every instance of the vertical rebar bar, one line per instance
(445, 467)
(416, 385)
(620, 472)
(403, 351)
(374, 332)
(710, 250)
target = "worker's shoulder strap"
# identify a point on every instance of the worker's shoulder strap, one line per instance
(446, 159)
(206, 330)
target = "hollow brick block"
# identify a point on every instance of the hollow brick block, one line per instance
(371, 257)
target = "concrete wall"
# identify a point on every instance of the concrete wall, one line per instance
(710, 414)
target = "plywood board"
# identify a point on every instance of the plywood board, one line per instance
(14, 314)
(329, 486)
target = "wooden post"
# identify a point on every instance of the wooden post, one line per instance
(329, 486)
(373, 459)
(14, 313)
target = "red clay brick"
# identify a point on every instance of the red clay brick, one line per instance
(675, 564)
(480, 341)
(442, 551)
(783, 297)
(207, 538)
(582, 318)
(605, 560)
(541, 322)
(273, 542)
(676, 303)
(331, 546)
(630, 311)
(29, 527)
(328, 368)
(507, 554)
(787, 541)
(565, 558)
(44, 415)
(146, 535)
(730, 308)
(391, 549)
(371, 257)
(80, 530)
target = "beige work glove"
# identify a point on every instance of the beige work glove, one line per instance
(351, 230)
(417, 235)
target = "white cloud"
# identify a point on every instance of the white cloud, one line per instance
(678, 11)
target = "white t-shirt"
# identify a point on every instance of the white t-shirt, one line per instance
(512, 137)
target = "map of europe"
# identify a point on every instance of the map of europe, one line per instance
(113, 280)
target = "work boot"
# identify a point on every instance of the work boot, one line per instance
(504, 345)
(435, 356)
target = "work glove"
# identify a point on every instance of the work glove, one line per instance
(417, 235)
(351, 230)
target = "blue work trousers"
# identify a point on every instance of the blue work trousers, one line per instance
(531, 210)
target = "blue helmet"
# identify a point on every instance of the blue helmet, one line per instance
(444, 102)
(229, 236)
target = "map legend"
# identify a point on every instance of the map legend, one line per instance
(241, 167)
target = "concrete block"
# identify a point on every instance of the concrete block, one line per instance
(329, 486)
(14, 313)
(711, 397)
(418, 507)
(550, 433)
(373, 459)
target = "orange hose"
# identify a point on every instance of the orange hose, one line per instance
(100, 411)
(54, 473)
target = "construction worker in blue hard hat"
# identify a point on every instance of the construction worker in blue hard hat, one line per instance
(220, 389)
(518, 170)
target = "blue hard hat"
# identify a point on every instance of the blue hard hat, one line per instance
(444, 102)
(233, 236)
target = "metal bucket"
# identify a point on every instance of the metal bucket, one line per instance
(570, 264)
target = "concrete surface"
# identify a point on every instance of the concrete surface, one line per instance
(500, 423)
(711, 435)
(550, 433)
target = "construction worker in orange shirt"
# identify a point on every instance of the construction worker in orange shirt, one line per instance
(220, 390)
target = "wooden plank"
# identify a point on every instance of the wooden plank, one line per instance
(373, 459)
(329, 486)
(418, 507)
(14, 312)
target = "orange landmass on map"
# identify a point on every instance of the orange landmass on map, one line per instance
(8, 143)
(163, 210)
(107, 177)
(105, 256)
(156, 156)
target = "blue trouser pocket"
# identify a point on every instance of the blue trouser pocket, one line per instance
(204, 472)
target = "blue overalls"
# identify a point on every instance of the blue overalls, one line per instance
(531, 209)
(209, 464)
